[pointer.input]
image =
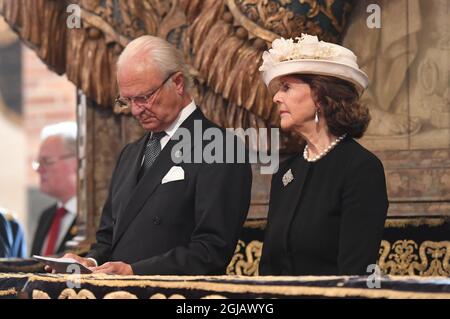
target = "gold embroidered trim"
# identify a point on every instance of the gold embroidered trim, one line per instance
(246, 259)
(8, 292)
(188, 283)
(406, 257)
(39, 294)
(251, 26)
(256, 224)
(276, 290)
(415, 222)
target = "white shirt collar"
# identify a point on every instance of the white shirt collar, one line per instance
(70, 205)
(170, 131)
(182, 116)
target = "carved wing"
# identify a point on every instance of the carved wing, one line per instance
(222, 41)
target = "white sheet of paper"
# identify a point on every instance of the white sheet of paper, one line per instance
(61, 264)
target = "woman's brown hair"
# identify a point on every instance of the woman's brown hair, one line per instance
(339, 103)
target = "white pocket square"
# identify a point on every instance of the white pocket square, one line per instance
(176, 173)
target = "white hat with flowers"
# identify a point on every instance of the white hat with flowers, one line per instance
(308, 55)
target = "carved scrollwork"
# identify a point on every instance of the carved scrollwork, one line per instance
(402, 258)
(223, 41)
(406, 257)
(289, 18)
(246, 259)
(69, 293)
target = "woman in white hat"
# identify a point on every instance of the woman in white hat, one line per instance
(328, 204)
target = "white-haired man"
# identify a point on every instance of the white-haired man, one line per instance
(163, 217)
(57, 169)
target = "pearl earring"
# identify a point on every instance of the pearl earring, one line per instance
(316, 118)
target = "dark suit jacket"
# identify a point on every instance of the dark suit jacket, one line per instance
(329, 220)
(185, 227)
(44, 224)
(12, 239)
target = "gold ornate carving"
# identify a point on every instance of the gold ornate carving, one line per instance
(39, 25)
(397, 263)
(86, 294)
(250, 25)
(270, 19)
(226, 62)
(108, 31)
(438, 253)
(405, 257)
(246, 259)
(214, 297)
(326, 9)
(255, 223)
(69, 293)
(39, 294)
(120, 295)
(231, 94)
(162, 296)
(414, 222)
(8, 292)
(269, 15)
(218, 286)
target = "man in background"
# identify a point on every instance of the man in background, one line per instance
(57, 169)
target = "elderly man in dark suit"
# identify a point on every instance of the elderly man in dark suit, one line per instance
(162, 216)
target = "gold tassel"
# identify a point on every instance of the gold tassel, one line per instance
(223, 63)
(214, 108)
(206, 53)
(237, 80)
(213, 9)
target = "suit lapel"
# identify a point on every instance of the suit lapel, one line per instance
(290, 196)
(42, 230)
(131, 164)
(150, 181)
(71, 233)
(137, 160)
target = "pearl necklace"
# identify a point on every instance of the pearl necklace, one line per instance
(324, 152)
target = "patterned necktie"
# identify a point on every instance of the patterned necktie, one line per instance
(152, 151)
(54, 232)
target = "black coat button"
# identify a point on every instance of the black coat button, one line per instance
(156, 220)
(114, 222)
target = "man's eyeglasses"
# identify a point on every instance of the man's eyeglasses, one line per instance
(126, 102)
(49, 161)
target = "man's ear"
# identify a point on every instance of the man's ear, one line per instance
(178, 81)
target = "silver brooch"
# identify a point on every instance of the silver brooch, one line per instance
(287, 177)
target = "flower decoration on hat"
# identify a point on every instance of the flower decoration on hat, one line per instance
(308, 55)
(306, 47)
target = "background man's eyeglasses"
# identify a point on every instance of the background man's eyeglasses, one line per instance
(49, 161)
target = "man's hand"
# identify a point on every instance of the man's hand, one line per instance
(84, 261)
(113, 268)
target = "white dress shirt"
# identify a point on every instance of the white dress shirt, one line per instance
(170, 131)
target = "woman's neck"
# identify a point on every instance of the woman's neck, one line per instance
(318, 139)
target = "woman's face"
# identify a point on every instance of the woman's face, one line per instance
(295, 103)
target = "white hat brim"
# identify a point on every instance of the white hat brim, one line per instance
(319, 67)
